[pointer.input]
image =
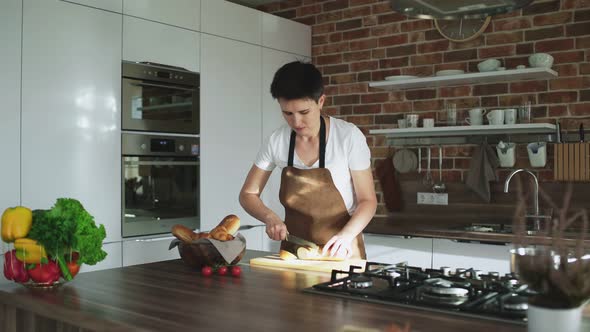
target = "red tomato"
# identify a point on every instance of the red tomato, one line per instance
(236, 271)
(222, 270)
(207, 271)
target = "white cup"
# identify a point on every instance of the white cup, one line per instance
(475, 117)
(412, 120)
(510, 116)
(428, 123)
(402, 123)
(495, 117)
(506, 154)
(537, 152)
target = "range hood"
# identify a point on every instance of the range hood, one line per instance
(455, 9)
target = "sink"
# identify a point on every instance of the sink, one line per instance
(492, 229)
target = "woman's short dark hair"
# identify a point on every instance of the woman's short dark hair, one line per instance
(297, 80)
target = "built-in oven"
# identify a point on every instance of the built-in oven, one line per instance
(159, 98)
(160, 183)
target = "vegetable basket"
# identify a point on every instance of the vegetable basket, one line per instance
(46, 248)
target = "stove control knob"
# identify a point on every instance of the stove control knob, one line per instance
(476, 274)
(181, 148)
(143, 146)
(446, 270)
(494, 274)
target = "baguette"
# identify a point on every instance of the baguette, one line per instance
(286, 255)
(307, 253)
(183, 233)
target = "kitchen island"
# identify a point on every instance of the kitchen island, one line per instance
(170, 296)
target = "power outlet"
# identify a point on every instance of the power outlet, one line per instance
(433, 198)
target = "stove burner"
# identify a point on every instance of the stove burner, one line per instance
(358, 281)
(442, 286)
(444, 299)
(452, 291)
(516, 303)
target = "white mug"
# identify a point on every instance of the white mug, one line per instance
(510, 116)
(428, 123)
(412, 120)
(475, 117)
(495, 117)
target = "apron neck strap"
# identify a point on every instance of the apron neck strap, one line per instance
(322, 144)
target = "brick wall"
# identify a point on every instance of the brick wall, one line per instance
(358, 41)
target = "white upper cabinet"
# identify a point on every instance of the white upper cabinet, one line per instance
(112, 5)
(71, 86)
(182, 13)
(10, 53)
(230, 130)
(160, 43)
(286, 35)
(226, 19)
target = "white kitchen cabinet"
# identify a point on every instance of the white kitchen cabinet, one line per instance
(10, 53)
(160, 43)
(182, 13)
(286, 35)
(142, 251)
(272, 119)
(71, 85)
(112, 5)
(230, 20)
(113, 260)
(485, 257)
(393, 249)
(230, 128)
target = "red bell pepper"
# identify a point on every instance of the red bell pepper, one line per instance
(45, 273)
(13, 268)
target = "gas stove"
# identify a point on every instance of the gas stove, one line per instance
(465, 292)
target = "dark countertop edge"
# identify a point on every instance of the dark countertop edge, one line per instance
(444, 229)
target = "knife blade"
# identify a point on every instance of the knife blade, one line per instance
(299, 241)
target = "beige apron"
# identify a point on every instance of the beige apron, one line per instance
(314, 208)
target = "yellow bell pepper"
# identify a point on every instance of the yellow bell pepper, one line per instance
(16, 223)
(29, 251)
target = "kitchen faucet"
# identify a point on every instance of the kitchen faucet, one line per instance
(537, 226)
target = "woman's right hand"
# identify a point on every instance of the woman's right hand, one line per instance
(276, 230)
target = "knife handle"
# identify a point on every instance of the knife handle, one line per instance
(581, 132)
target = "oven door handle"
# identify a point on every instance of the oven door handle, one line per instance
(162, 86)
(162, 163)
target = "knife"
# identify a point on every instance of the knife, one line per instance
(299, 241)
(581, 133)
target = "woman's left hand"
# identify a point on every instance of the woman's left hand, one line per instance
(338, 246)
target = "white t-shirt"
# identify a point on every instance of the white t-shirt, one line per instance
(346, 150)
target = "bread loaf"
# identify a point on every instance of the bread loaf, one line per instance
(231, 223)
(228, 226)
(315, 254)
(202, 235)
(183, 233)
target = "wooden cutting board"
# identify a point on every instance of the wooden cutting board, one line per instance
(308, 265)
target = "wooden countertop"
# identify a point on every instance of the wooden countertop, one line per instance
(169, 296)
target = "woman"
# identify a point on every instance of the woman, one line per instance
(326, 182)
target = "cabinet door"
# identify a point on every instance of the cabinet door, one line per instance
(485, 257)
(272, 119)
(113, 260)
(112, 5)
(160, 43)
(286, 35)
(142, 251)
(392, 249)
(182, 13)
(10, 53)
(71, 85)
(230, 128)
(226, 19)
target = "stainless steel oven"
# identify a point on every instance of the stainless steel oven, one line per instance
(159, 98)
(160, 183)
